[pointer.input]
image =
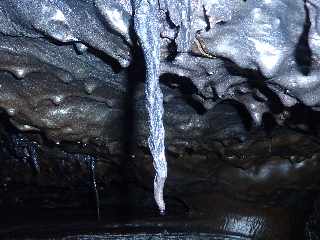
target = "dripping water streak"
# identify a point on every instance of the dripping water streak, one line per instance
(146, 25)
(32, 150)
(94, 184)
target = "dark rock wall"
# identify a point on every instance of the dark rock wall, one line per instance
(240, 83)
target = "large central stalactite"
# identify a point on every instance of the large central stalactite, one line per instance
(146, 22)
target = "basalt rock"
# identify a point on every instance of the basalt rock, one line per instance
(240, 88)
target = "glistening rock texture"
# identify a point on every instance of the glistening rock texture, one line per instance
(72, 95)
(250, 52)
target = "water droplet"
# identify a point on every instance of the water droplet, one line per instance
(57, 99)
(90, 87)
(19, 72)
(11, 112)
(81, 48)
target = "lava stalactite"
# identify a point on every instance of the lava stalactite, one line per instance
(146, 25)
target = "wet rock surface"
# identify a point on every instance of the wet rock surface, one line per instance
(240, 90)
